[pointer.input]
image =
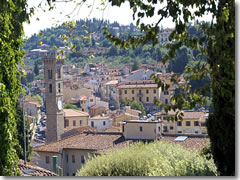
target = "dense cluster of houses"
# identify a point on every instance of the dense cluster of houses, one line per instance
(100, 124)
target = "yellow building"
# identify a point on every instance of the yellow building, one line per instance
(144, 91)
(193, 123)
(74, 118)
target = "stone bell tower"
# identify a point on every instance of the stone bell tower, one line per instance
(54, 95)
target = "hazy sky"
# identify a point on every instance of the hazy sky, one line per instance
(48, 19)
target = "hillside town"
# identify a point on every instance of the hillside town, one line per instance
(97, 118)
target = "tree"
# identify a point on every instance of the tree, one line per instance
(113, 51)
(137, 105)
(20, 136)
(12, 15)
(135, 65)
(70, 106)
(218, 44)
(36, 68)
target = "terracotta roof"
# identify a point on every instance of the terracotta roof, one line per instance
(126, 114)
(99, 117)
(187, 114)
(77, 131)
(29, 169)
(87, 141)
(113, 129)
(74, 113)
(193, 143)
(138, 86)
(112, 82)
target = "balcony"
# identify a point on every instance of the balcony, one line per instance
(139, 95)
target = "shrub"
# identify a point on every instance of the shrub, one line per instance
(154, 159)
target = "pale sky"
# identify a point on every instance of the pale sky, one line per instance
(48, 19)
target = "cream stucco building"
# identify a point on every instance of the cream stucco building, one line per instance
(74, 118)
(139, 129)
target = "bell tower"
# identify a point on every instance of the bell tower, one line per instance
(54, 95)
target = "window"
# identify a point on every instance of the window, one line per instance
(165, 129)
(165, 92)
(140, 128)
(74, 123)
(147, 99)
(166, 101)
(67, 158)
(50, 88)
(73, 158)
(140, 91)
(147, 91)
(140, 98)
(133, 98)
(171, 127)
(49, 74)
(47, 159)
(196, 123)
(59, 87)
(91, 100)
(203, 124)
(132, 91)
(92, 123)
(66, 123)
(104, 123)
(154, 91)
(59, 72)
(82, 159)
(125, 91)
(159, 128)
(164, 118)
(120, 92)
(188, 123)
(179, 123)
(179, 131)
(80, 122)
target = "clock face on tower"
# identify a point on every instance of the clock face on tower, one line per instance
(59, 104)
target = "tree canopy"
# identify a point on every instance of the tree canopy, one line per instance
(217, 43)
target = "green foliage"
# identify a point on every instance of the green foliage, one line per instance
(70, 106)
(215, 41)
(36, 68)
(137, 105)
(38, 97)
(12, 15)
(153, 159)
(20, 136)
(135, 65)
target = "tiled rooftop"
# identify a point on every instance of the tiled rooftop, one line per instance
(138, 86)
(77, 131)
(192, 143)
(29, 169)
(187, 115)
(74, 113)
(87, 141)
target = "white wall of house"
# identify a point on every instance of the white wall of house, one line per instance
(100, 124)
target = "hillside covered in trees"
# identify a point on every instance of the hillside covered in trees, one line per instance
(90, 45)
